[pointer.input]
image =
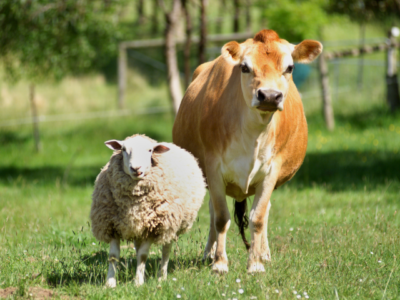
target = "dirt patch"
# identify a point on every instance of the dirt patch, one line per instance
(32, 293)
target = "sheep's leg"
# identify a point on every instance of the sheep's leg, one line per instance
(166, 250)
(209, 252)
(141, 257)
(113, 258)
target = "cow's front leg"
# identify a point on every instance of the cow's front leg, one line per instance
(259, 249)
(222, 221)
(113, 258)
(265, 251)
(142, 251)
(209, 252)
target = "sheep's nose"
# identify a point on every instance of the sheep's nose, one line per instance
(136, 171)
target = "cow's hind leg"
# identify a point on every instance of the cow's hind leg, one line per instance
(113, 259)
(209, 252)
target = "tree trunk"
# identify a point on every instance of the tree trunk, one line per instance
(203, 32)
(122, 61)
(392, 85)
(326, 96)
(236, 8)
(154, 19)
(248, 16)
(188, 43)
(35, 120)
(361, 59)
(170, 54)
(140, 10)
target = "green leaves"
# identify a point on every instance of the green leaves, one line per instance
(47, 39)
(296, 20)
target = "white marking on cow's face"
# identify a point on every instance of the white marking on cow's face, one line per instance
(265, 85)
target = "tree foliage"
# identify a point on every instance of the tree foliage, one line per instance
(383, 11)
(51, 39)
(296, 20)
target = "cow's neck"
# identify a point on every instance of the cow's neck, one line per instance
(250, 153)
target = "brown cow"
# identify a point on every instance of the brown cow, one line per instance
(243, 118)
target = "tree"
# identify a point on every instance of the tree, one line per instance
(172, 18)
(295, 20)
(385, 13)
(48, 39)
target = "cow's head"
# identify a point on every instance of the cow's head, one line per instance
(266, 63)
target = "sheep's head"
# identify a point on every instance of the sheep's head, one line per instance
(137, 154)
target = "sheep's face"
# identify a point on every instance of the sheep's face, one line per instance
(137, 153)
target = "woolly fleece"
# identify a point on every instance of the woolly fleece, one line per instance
(161, 206)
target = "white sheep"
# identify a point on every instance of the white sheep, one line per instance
(148, 192)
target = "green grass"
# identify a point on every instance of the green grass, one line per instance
(342, 205)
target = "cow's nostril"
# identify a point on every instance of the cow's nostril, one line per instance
(261, 95)
(278, 97)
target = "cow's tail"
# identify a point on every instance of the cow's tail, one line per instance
(241, 219)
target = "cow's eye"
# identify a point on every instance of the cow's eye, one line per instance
(289, 69)
(245, 68)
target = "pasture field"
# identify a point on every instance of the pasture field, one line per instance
(334, 229)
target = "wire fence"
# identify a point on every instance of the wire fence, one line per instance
(344, 79)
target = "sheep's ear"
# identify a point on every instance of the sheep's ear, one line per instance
(306, 51)
(160, 149)
(114, 144)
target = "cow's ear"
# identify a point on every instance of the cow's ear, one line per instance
(232, 52)
(306, 51)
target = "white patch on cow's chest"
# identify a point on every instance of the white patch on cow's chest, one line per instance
(247, 159)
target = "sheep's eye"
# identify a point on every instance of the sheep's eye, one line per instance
(124, 149)
(289, 69)
(149, 150)
(245, 68)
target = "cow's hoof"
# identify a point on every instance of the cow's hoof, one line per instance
(256, 267)
(266, 257)
(111, 283)
(220, 268)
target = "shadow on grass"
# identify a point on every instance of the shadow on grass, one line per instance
(343, 170)
(92, 269)
(339, 170)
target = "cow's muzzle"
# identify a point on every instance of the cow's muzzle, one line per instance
(270, 100)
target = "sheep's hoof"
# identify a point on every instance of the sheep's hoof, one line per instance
(255, 267)
(220, 268)
(111, 283)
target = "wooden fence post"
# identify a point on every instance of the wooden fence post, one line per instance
(392, 85)
(326, 96)
(121, 75)
(35, 120)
